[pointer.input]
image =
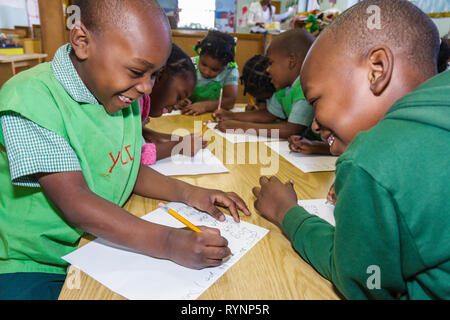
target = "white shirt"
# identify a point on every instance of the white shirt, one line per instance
(257, 14)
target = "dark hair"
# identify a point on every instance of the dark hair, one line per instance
(255, 77)
(404, 27)
(180, 62)
(444, 56)
(99, 15)
(217, 45)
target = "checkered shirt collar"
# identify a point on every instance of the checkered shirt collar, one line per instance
(67, 75)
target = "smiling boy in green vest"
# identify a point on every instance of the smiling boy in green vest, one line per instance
(287, 110)
(70, 142)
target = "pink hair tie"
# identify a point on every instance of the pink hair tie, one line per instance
(148, 156)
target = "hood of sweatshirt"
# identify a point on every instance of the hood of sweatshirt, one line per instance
(429, 104)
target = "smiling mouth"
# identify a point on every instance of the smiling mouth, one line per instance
(125, 99)
(330, 140)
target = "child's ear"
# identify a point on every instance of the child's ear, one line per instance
(293, 60)
(381, 63)
(80, 40)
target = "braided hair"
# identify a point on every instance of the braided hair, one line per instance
(180, 62)
(217, 45)
(255, 78)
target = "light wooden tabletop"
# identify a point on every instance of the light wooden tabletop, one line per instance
(272, 269)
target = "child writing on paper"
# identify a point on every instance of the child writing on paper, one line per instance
(257, 82)
(391, 238)
(216, 72)
(286, 111)
(175, 83)
(70, 148)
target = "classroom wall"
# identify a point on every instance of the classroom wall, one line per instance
(13, 13)
(443, 25)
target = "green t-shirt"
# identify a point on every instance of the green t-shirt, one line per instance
(290, 104)
(209, 89)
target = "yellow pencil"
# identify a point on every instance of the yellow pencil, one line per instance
(204, 128)
(180, 218)
(253, 103)
(220, 99)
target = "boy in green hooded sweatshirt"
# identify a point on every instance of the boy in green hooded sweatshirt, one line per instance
(70, 149)
(377, 97)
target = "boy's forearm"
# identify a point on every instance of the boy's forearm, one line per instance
(87, 211)
(164, 149)
(155, 137)
(259, 116)
(282, 129)
(152, 184)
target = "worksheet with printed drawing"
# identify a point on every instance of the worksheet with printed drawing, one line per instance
(320, 208)
(136, 276)
(204, 162)
(240, 136)
(306, 163)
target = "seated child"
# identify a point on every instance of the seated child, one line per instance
(443, 57)
(175, 83)
(287, 110)
(391, 235)
(70, 149)
(216, 71)
(257, 82)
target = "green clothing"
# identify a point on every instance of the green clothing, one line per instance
(290, 104)
(32, 148)
(209, 89)
(34, 236)
(392, 209)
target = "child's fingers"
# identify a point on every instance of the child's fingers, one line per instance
(215, 254)
(215, 212)
(226, 201)
(256, 191)
(263, 180)
(239, 202)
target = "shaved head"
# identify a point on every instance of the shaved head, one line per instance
(297, 41)
(401, 26)
(101, 15)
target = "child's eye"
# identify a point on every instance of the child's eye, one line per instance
(313, 102)
(136, 73)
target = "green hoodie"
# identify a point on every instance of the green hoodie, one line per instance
(392, 234)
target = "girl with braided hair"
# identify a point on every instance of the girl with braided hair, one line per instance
(175, 83)
(256, 81)
(216, 72)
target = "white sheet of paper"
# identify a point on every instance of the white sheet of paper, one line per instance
(136, 276)
(320, 208)
(204, 162)
(238, 109)
(306, 163)
(173, 113)
(177, 112)
(240, 137)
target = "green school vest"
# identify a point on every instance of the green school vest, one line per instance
(33, 233)
(288, 100)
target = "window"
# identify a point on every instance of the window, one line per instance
(197, 14)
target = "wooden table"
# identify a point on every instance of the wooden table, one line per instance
(10, 65)
(271, 270)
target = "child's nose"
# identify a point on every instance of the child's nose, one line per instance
(146, 84)
(315, 127)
